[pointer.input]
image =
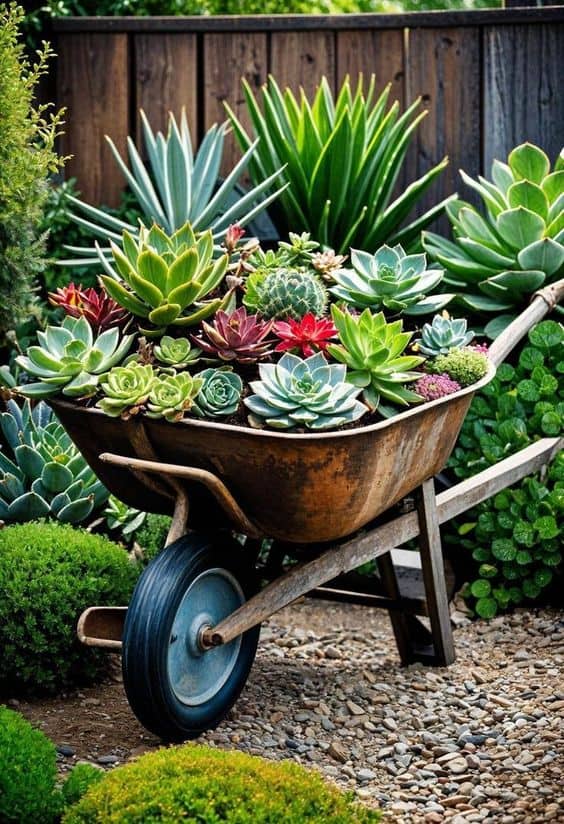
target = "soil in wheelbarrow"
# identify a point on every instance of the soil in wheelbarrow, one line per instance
(477, 742)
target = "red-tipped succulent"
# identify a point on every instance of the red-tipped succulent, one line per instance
(232, 237)
(310, 334)
(236, 337)
(99, 309)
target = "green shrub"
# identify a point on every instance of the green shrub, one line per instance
(27, 136)
(208, 786)
(515, 539)
(151, 536)
(28, 772)
(49, 573)
(79, 781)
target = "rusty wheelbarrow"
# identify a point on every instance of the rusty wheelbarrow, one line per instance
(190, 633)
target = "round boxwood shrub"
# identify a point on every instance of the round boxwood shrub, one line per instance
(192, 783)
(78, 782)
(49, 573)
(28, 772)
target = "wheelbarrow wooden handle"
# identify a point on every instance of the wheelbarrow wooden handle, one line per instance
(543, 302)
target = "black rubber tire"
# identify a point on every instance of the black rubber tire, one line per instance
(147, 635)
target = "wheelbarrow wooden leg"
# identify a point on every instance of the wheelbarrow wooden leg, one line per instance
(398, 618)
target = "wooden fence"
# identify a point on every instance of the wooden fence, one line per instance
(489, 79)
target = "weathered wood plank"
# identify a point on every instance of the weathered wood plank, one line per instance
(93, 84)
(166, 79)
(227, 60)
(373, 52)
(302, 58)
(443, 67)
(523, 97)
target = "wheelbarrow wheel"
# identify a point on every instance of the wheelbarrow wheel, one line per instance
(177, 689)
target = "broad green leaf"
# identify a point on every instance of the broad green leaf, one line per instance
(545, 255)
(527, 194)
(520, 227)
(486, 608)
(528, 162)
(480, 588)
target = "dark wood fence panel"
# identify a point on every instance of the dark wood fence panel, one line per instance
(373, 52)
(301, 58)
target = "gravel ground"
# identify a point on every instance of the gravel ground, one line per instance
(479, 741)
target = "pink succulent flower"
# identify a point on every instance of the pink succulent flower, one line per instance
(433, 387)
(232, 237)
(100, 310)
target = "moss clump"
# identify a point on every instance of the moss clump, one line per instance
(208, 786)
(465, 366)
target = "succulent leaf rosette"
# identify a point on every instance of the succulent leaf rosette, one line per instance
(310, 334)
(390, 279)
(442, 335)
(173, 395)
(70, 359)
(126, 389)
(373, 350)
(236, 336)
(100, 310)
(310, 393)
(177, 353)
(219, 394)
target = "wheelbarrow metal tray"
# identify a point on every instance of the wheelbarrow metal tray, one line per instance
(299, 488)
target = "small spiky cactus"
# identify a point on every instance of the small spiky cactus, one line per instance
(286, 293)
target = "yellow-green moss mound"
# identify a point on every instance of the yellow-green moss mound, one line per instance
(199, 785)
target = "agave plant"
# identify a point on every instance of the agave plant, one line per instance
(126, 389)
(499, 258)
(236, 337)
(123, 518)
(309, 334)
(310, 393)
(342, 158)
(173, 395)
(177, 186)
(70, 359)
(42, 473)
(100, 310)
(285, 293)
(177, 353)
(390, 279)
(219, 394)
(373, 350)
(442, 335)
(166, 278)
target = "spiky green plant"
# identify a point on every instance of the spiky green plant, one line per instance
(373, 350)
(499, 258)
(126, 389)
(310, 393)
(219, 394)
(176, 352)
(122, 518)
(173, 395)
(343, 157)
(163, 279)
(285, 293)
(42, 473)
(443, 334)
(390, 279)
(69, 359)
(177, 187)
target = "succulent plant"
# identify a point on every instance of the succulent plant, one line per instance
(236, 336)
(69, 359)
(309, 334)
(177, 187)
(219, 394)
(465, 366)
(310, 393)
(176, 352)
(372, 349)
(123, 518)
(100, 310)
(296, 253)
(327, 262)
(126, 389)
(42, 473)
(166, 278)
(442, 335)
(173, 395)
(285, 293)
(433, 387)
(389, 279)
(499, 258)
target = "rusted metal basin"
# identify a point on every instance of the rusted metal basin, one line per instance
(296, 488)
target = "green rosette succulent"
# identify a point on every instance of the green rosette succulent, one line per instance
(176, 352)
(442, 335)
(164, 279)
(499, 257)
(69, 359)
(173, 395)
(42, 473)
(219, 395)
(390, 279)
(126, 389)
(310, 393)
(372, 349)
(285, 293)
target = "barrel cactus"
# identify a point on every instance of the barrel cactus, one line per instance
(219, 394)
(442, 335)
(285, 293)
(499, 258)
(310, 393)
(42, 473)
